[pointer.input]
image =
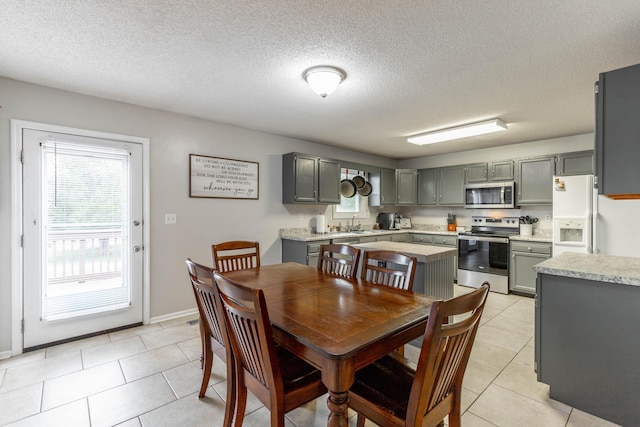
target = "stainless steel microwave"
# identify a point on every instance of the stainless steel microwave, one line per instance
(490, 195)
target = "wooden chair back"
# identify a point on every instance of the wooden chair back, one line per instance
(436, 388)
(279, 379)
(389, 268)
(339, 259)
(235, 255)
(211, 327)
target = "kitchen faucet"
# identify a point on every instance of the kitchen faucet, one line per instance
(353, 227)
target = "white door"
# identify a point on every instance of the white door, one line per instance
(82, 215)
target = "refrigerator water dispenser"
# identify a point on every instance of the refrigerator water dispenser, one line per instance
(571, 231)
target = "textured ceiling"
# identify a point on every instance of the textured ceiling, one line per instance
(412, 66)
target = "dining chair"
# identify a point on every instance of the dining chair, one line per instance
(278, 378)
(394, 392)
(389, 268)
(338, 259)
(235, 255)
(211, 331)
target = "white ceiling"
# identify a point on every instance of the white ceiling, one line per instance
(412, 66)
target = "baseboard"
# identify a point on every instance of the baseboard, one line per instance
(5, 354)
(171, 316)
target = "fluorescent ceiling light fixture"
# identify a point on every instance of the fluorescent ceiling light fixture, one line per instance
(458, 132)
(323, 80)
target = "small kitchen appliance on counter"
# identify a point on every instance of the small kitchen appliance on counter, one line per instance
(388, 221)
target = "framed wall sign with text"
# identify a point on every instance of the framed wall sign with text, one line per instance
(222, 178)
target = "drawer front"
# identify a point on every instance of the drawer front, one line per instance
(313, 247)
(445, 240)
(422, 238)
(531, 247)
(346, 240)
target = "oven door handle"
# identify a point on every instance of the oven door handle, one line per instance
(485, 239)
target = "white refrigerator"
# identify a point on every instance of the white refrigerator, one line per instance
(572, 214)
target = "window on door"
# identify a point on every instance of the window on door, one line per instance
(84, 209)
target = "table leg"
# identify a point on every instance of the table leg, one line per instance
(338, 404)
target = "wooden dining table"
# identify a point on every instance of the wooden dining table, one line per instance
(336, 324)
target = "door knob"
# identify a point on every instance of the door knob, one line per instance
(136, 248)
(136, 222)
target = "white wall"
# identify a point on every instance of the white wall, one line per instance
(201, 222)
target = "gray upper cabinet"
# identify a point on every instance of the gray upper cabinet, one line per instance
(578, 163)
(478, 172)
(486, 172)
(310, 179)
(328, 181)
(441, 186)
(428, 186)
(451, 186)
(407, 187)
(617, 131)
(384, 188)
(535, 178)
(501, 171)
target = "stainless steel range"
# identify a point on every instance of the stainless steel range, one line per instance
(483, 252)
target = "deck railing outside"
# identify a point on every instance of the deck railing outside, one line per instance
(76, 256)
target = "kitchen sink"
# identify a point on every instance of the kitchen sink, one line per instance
(368, 231)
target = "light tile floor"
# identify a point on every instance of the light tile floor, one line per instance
(150, 375)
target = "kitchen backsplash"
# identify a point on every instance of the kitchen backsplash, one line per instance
(434, 219)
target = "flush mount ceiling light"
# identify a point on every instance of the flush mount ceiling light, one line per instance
(458, 132)
(323, 80)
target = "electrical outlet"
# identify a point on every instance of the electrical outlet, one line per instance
(170, 218)
(547, 217)
(301, 217)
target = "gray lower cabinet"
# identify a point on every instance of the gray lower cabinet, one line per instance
(346, 240)
(302, 252)
(587, 345)
(404, 238)
(524, 255)
(310, 179)
(578, 163)
(535, 179)
(369, 239)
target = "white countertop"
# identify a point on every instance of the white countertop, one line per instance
(424, 253)
(601, 268)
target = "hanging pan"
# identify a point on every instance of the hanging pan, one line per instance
(347, 187)
(359, 181)
(366, 189)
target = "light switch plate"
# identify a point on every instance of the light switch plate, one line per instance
(170, 218)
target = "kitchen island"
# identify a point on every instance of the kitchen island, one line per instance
(587, 338)
(434, 272)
